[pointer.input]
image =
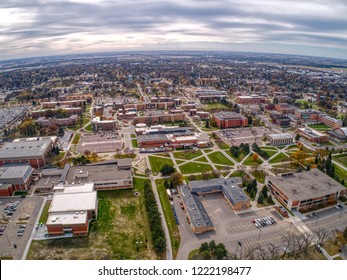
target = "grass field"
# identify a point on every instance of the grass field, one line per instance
(259, 175)
(270, 153)
(342, 174)
(279, 158)
(194, 167)
(239, 159)
(76, 138)
(89, 128)
(169, 216)
(215, 106)
(201, 159)
(120, 232)
(134, 143)
(342, 159)
(320, 127)
(250, 161)
(158, 162)
(268, 148)
(219, 158)
(222, 145)
(188, 154)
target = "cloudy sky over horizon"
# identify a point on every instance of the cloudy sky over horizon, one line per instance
(53, 27)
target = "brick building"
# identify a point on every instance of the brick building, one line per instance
(229, 119)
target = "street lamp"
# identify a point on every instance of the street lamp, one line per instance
(291, 224)
(317, 220)
(341, 213)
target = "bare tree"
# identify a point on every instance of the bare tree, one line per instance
(275, 252)
(323, 235)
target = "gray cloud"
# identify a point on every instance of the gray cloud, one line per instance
(62, 26)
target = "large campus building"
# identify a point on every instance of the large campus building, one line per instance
(15, 178)
(159, 117)
(196, 213)
(229, 119)
(71, 210)
(99, 124)
(170, 137)
(280, 139)
(312, 135)
(305, 190)
(32, 150)
(340, 134)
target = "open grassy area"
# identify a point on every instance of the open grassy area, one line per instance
(342, 174)
(249, 160)
(259, 175)
(221, 144)
(158, 162)
(169, 216)
(279, 158)
(270, 153)
(134, 143)
(188, 154)
(342, 159)
(201, 159)
(239, 159)
(54, 157)
(120, 232)
(320, 127)
(195, 167)
(89, 128)
(76, 138)
(219, 158)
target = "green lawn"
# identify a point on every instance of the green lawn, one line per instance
(342, 159)
(76, 138)
(320, 127)
(158, 162)
(120, 232)
(279, 158)
(219, 158)
(221, 144)
(201, 159)
(188, 154)
(134, 143)
(259, 175)
(194, 167)
(342, 174)
(89, 128)
(249, 160)
(169, 216)
(208, 150)
(239, 159)
(215, 106)
(270, 152)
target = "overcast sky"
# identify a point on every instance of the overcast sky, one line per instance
(45, 27)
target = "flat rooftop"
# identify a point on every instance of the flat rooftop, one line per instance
(96, 173)
(68, 218)
(67, 202)
(229, 187)
(24, 149)
(194, 208)
(280, 136)
(306, 185)
(228, 115)
(15, 174)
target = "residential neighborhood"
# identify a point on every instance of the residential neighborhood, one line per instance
(152, 156)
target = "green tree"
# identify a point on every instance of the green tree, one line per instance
(264, 191)
(166, 184)
(221, 252)
(297, 137)
(206, 255)
(212, 246)
(207, 124)
(167, 170)
(270, 200)
(261, 198)
(204, 247)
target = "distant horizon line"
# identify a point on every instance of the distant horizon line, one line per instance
(171, 50)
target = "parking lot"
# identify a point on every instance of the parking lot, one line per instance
(17, 227)
(236, 136)
(100, 143)
(230, 227)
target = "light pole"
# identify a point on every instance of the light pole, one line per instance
(259, 234)
(340, 213)
(317, 220)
